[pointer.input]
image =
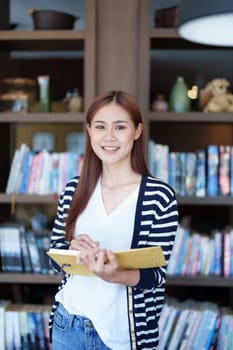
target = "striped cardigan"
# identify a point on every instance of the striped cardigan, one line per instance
(156, 223)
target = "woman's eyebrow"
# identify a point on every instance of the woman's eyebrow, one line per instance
(115, 122)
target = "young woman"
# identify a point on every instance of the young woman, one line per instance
(114, 205)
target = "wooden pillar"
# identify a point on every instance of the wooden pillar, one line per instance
(90, 53)
(5, 14)
(117, 45)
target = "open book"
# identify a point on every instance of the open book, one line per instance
(131, 259)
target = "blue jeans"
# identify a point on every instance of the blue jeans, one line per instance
(72, 332)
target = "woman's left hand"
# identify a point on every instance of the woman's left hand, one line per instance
(101, 262)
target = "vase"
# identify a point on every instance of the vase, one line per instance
(179, 100)
(44, 103)
(159, 104)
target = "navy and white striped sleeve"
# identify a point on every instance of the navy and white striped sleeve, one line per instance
(57, 239)
(159, 224)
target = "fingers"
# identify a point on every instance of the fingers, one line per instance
(111, 257)
(82, 242)
(102, 262)
(88, 257)
(86, 241)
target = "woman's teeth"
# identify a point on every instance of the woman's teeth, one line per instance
(110, 148)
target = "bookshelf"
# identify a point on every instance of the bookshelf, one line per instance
(187, 132)
(81, 42)
(161, 126)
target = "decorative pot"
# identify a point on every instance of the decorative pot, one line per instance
(50, 19)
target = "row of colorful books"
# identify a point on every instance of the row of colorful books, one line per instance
(41, 172)
(193, 253)
(199, 254)
(24, 326)
(205, 172)
(22, 251)
(185, 326)
(193, 326)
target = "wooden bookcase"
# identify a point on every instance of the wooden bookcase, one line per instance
(82, 41)
(184, 131)
(188, 132)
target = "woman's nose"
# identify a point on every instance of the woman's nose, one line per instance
(109, 134)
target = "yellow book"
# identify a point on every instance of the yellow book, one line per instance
(139, 258)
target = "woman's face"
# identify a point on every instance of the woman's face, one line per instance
(112, 134)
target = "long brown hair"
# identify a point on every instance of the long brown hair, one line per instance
(92, 166)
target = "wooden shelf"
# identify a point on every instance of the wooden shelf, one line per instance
(164, 33)
(52, 199)
(192, 200)
(168, 38)
(41, 117)
(28, 199)
(204, 281)
(49, 40)
(191, 117)
(29, 278)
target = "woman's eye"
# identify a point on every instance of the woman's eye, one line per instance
(99, 127)
(120, 127)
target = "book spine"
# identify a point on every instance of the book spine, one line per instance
(218, 253)
(231, 252)
(231, 170)
(183, 165)
(164, 340)
(189, 329)
(201, 173)
(11, 177)
(34, 252)
(182, 252)
(227, 254)
(212, 170)
(224, 170)
(179, 330)
(178, 174)
(172, 169)
(190, 178)
(11, 249)
(205, 330)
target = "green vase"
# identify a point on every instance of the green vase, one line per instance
(179, 100)
(44, 105)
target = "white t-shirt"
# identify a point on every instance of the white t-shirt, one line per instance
(105, 304)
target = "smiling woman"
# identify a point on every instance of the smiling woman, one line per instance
(115, 205)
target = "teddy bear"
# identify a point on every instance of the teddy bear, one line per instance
(221, 103)
(215, 96)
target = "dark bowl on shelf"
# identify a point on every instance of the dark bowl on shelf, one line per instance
(166, 17)
(50, 19)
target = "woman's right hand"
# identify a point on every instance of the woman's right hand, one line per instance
(83, 242)
(88, 249)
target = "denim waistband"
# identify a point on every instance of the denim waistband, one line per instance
(80, 321)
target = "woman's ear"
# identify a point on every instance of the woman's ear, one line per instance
(138, 131)
(88, 129)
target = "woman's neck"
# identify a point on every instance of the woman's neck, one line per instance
(114, 177)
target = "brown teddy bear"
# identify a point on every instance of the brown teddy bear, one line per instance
(215, 96)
